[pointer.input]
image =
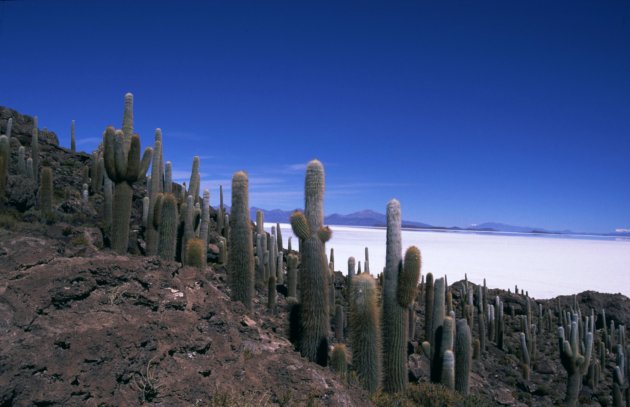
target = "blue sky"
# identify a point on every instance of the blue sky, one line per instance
(471, 111)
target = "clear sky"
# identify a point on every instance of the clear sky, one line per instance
(467, 112)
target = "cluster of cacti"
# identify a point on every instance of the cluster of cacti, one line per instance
(314, 275)
(621, 376)
(241, 256)
(400, 281)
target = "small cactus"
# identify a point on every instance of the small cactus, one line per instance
(195, 253)
(339, 361)
(428, 301)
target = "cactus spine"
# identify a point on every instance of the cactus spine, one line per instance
(241, 254)
(124, 169)
(314, 274)
(73, 142)
(365, 332)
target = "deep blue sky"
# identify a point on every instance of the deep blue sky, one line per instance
(509, 111)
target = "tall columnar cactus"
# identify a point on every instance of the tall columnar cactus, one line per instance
(30, 172)
(127, 123)
(152, 234)
(428, 307)
(96, 172)
(367, 261)
(195, 179)
(351, 268)
(279, 237)
(241, 252)
(205, 224)
(188, 231)
(168, 177)
(448, 370)
(221, 215)
(575, 363)
(124, 169)
(463, 357)
(396, 299)
(22, 160)
(35, 148)
(499, 322)
(339, 322)
(9, 127)
(4, 164)
(365, 331)
(168, 221)
(394, 322)
(46, 191)
(314, 276)
(260, 222)
(524, 356)
(272, 293)
(73, 142)
(292, 262)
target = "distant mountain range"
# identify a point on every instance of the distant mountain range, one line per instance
(371, 218)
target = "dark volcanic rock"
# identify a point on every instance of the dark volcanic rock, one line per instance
(23, 127)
